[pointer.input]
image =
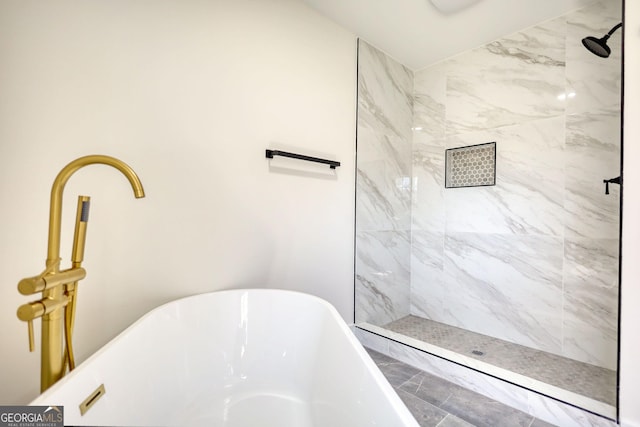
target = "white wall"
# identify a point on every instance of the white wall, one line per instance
(190, 94)
(630, 289)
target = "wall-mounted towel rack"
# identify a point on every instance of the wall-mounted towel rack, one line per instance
(332, 164)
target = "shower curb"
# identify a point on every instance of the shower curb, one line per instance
(533, 403)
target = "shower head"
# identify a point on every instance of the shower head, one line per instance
(599, 46)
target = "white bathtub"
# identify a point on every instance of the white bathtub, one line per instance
(249, 358)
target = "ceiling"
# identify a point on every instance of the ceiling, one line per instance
(417, 34)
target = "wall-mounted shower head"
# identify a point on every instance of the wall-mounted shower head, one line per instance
(599, 46)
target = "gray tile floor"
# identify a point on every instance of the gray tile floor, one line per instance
(581, 378)
(435, 402)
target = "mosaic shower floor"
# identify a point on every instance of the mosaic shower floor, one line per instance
(581, 378)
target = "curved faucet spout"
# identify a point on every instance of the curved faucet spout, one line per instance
(55, 213)
(53, 354)
(59, 287)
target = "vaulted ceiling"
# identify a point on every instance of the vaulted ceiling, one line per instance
(417, 34)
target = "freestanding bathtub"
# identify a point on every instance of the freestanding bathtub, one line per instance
(240, 358)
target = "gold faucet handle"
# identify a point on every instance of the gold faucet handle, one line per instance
(31, 310)
(32, 344)
(32, 285)
(34, 309)
(28, 312)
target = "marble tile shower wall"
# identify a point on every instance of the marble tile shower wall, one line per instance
(383, 205)
(532, 260)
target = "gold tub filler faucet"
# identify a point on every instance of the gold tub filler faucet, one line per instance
(58, 287)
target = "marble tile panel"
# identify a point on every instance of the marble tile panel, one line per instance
(592, 154)
(593, 82)
(383, 198)
(512, 80)
(429, 101)
(528, 195)
(385, 93)
(427, 275)
(427, 196)
(505, 286)
(382, 276)
(372, 341)
(385, 110)
(374, 147)
(479, 210)
(564, 415)
(591, 301)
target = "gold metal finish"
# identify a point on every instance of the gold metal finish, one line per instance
(71, 289)
(92, 399)
(31, 310)
(80, 235)
(32, 343)
(59, 287)
(35, 309)
(32, 285)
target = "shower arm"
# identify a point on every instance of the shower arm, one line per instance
(613, 30)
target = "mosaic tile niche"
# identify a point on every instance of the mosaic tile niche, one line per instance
(472, 166)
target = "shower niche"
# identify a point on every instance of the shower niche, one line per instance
(518, 278)
(472, 166)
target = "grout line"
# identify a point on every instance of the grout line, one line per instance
(445, 401)
(445, 417)
(421, 381)
(412, 377)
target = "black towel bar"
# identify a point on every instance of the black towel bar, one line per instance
(332, 164)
